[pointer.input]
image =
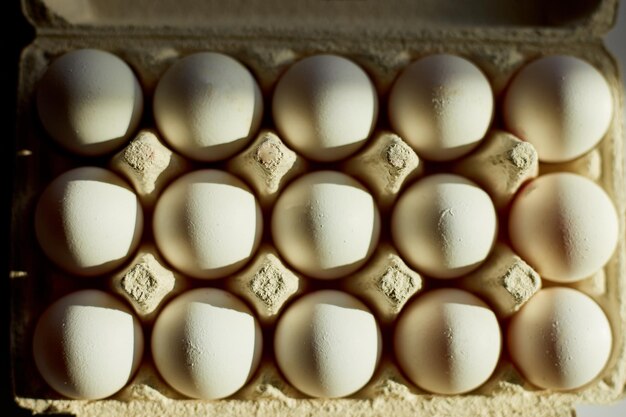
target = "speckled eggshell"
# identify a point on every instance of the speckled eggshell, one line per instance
(444, 225)
(206, 343)
(561, 104)
(560, 340)
(327, 344)
(325, 107)
(88, 221)
(564, 225)
(89, 101)
(207, 224)
(448, 341)
(325, 224)
(87, 345)
(208, 106)
(442, 105)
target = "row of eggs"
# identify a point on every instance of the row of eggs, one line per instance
(207, 106)
(207, 224)
(206, 343)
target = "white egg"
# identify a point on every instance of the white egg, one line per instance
(207, 224)
(444, 225)
(442, 105)
(325, 107)
(326, 224)
(560, 104)
(208, 106)
(564, 225)
(88, 221)
(560, 340)
(448, 341)
(206, 343)
(89, 101)
(327, 344)
(87, 345)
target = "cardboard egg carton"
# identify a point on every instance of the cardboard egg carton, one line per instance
(267, 37)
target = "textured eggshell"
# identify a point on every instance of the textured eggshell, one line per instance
(560, 104)
(560, 340)
(444, 225)
(325, 107)
(564, 225)
(87, 345)
(207, 106)
(325, 224)
(327, 344)
(448, 341)
(442, 105)
(88, 221)
(89, 101)
(207, 224)
(206, 343)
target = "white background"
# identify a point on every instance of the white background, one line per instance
(616, 41)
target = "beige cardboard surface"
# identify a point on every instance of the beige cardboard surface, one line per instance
(36, 282)
(393, 18)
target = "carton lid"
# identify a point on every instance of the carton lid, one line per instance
(325, 18)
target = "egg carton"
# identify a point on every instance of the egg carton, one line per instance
(267, 37)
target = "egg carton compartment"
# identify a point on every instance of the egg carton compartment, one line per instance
(386, 165)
